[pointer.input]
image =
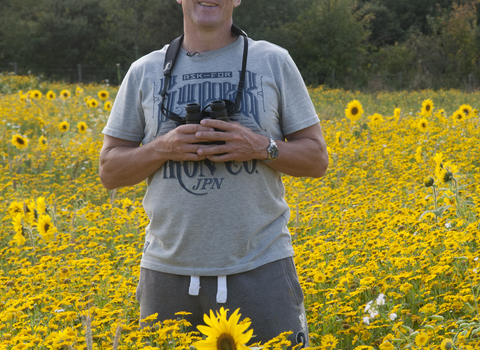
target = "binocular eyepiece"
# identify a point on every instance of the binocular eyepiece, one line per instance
(195, 114)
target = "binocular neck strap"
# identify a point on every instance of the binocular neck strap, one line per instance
(169, 63)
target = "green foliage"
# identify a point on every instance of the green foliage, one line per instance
(373, 44)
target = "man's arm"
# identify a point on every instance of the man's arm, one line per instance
(304, 153)
(124, 163)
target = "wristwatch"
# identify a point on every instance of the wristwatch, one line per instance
(272, 151)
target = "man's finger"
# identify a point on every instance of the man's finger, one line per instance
(193, 128)
(218, 124)
(212, 136)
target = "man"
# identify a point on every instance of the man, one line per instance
(217, 234)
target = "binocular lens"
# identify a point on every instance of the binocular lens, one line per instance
(193, 113)
(217, 105)
(192, 108)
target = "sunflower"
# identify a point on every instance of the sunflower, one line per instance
(319, 277)
(15, 208)
(458, 116)
(41, 205)
(445, 171)
(396, 113)
(42, 142)
(444, 175)
(427, 108)
(467, 110)
(17, 222)
(92, 103)
(82, 127)
(376, 119)
(354, 110)
(223, 333)
(51, 95)
(103, 95)
(421, 339)
(446, 344)
(422, 124)
(329, 342)
(78, 91)
(418, 155)
(438, 158)
(65, 94)
(386, 346)
(63, 126)
(19, 141)
(107, 106)
(19, 239)
(46, 228)
(35, 94)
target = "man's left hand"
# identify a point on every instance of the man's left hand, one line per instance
(241, 143)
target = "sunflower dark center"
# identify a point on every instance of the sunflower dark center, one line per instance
(20, 141)
(427, 108)
(354, 110)
(424, 125)
(226, 342)
(46, 227)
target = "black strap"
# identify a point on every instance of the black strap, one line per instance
(169, 63)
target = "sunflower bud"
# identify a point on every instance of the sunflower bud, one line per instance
(428, 181)
(447, 176)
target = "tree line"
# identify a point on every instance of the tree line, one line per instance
(374, 44)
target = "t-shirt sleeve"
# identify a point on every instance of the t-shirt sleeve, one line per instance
(126, 120)
(297, 109)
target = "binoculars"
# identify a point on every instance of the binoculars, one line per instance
(217, 110)
(195, 114)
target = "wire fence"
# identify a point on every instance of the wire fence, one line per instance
(81, 73)
(84, 73)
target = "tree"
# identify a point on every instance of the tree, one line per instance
(328, 38)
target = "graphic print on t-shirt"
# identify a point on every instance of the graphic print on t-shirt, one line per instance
(200, 178)
(204, 88)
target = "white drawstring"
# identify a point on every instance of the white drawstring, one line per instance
(194, 288)
(222, 289)
(194, 285)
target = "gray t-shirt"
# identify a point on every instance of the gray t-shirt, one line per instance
(207, 218)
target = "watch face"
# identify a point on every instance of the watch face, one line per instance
(272, 150)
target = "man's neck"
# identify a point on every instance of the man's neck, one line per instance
(196, 40)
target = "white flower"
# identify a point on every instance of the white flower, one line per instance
(381, 299)
(366, 320)
(448, 225)
(474, 270)
(368, 306)
(392, 316)
(373, 313)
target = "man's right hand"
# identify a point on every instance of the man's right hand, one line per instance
(124, 163)
(181, 144)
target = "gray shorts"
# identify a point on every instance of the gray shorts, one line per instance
(269, 295)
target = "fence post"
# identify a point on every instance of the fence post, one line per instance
(79, 70)
(119, 76)
(15, 67)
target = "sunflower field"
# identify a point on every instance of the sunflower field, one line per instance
(386, 242)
